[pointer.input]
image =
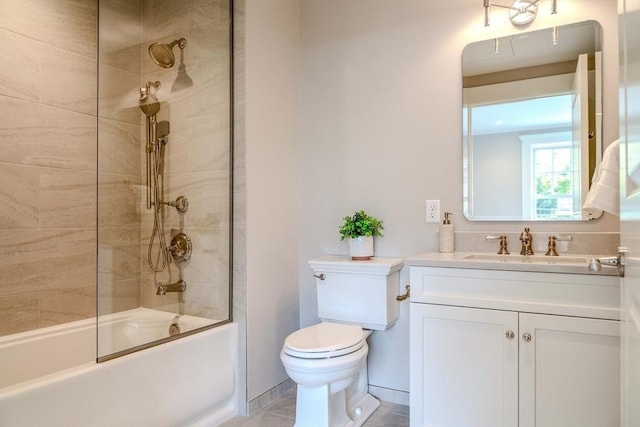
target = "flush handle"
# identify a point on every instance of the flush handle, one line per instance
(405, 295)
(320, 276)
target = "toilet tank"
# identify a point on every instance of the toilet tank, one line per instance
(357, 292)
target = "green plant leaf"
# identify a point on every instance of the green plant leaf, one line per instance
(360, 224)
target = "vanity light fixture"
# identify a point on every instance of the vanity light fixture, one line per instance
(521, 12)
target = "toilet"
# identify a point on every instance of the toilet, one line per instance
(328, 361)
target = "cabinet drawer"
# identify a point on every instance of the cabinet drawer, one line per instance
(551, 293)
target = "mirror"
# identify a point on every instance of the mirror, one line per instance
(532, 120)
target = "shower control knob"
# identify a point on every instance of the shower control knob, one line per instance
(181, 204)
(181, 247)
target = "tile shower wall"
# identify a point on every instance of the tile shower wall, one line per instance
(119, 163)
(50, 120)
(47, 162)
(195, 98)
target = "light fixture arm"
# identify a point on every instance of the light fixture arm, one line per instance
(523, 11)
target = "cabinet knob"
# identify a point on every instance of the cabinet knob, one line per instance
(509, 335)
(526, 337)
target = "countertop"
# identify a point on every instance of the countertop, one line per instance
(564, 263)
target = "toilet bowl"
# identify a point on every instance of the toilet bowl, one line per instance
(328, 363)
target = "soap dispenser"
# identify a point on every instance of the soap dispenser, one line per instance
(446, 234)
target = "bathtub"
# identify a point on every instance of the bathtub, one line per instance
(53, 379)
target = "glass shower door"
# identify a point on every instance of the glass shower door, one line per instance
(164, 171)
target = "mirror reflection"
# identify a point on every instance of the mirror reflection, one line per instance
(532, 123)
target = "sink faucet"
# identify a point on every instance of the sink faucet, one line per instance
(551, 247)
(527, 242)
(179, 286)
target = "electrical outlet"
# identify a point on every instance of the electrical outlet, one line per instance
(433, 210)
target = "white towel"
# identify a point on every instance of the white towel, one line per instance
(604, 194)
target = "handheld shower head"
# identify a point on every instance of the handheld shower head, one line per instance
(148, 103)
(162, 53)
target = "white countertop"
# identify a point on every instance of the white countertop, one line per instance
(564, 263)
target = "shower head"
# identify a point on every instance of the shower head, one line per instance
(148, 103)
(162, 53)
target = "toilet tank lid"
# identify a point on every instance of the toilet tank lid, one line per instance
(340, 263)
(324, 337)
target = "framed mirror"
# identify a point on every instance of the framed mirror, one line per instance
(532, 123)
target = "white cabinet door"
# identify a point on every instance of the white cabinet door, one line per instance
(464, 368)
(569, 371)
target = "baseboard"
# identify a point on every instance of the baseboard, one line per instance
(270, 395)
(390, 395)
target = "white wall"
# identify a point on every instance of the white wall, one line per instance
(272, 185)
(380, 130)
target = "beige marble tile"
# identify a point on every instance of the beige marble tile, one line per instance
(118, 95)
(209, 94)
(67, 198)
(119, 252)
(118, 200)
(37, 260)
(33, 197)
(67, 80)
(209, 301)
(19, 201)
(39, 135)
(117, 295)
(120, 147)
(208, 197)
(18, 313)
(176, 151)
(209, 143)
(67, 24)
(67, 305)
(209, 29)
(19, 76)
(121, 34)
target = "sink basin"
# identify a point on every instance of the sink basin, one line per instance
(529, 259)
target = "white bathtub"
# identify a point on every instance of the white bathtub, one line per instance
(190, 381)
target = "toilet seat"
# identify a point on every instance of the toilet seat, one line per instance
(324, 340)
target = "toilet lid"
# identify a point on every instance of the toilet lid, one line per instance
(324, 340)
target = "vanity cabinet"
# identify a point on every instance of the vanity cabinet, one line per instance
(497, 348)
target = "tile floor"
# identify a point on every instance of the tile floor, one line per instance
(282, 413)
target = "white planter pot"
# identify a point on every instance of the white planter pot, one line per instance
(361, 248)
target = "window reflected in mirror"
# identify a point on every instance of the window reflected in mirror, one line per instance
(531, 124)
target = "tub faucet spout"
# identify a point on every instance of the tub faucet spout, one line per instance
(179, 286)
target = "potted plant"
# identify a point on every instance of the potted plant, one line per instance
(360, 229)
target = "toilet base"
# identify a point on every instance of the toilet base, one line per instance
(363, 409)
(336, 414)
(321, 406)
